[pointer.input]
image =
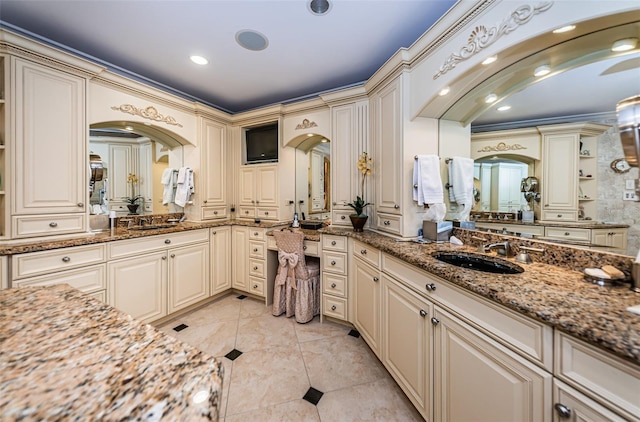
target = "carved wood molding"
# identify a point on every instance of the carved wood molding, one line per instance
(482, 37)
(150, 112)
(501, 147)
(306, 124)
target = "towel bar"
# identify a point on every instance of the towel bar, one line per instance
(447, 160)
(448, 186)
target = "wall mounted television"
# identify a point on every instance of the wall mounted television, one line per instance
(261, 144)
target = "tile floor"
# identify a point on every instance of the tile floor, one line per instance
(282, 362)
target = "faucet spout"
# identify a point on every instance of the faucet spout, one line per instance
(503, 248)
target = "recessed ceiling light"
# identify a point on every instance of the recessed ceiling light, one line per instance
(624, 44)
(490, 60)
(324, 141)
(565, 28)
(444, 91)
(251, 40)
(491, 98)
(542, 70)
(319, 7)
(309, 135)
(199, 60)
(504, 108)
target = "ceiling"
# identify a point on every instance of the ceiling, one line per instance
(306, 54)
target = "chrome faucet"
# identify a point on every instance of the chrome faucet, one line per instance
(143, 221)
(503, 248)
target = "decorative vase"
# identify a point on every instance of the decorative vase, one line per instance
(358, 221)
(133, 208)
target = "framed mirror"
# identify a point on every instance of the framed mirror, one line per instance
(313, 178)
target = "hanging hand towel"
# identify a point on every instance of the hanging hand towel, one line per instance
(184, 187)
(462, 175)
(168, 181)
(427, 181)
(452, 196)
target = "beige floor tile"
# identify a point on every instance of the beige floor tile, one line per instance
(253, 308)
(265, 378)
(265, 331)
(225, 309)
(339, 363)
(216, 339)
(226, 383)
(379, 400)
(314, 330)
(294, 411)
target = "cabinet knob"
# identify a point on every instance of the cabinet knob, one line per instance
(333, 243)
(567, 233)
(343, 217)
(215, 213)
(363, 252)
(563, 411)
(246, 211)
(333, 262)
(173, 255)
(396, 206)
(435, 321)
(266, 213)
(214, 233)
(430, 286)
(80, 204)
(255, 233)
(304, 247)
(423, 313)
(167, 241)
(253, 202)
(53, 224)
(376, 279)
(66, 259)
(255, 268)
(164, 258)
(205, 201)
(257, 202)
(255, 249)
(333, 308)
(387, 222)
(559, 215)
(333, 285)
(255, 286)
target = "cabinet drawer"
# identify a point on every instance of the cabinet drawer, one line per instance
(517, 228)
(267, 213)
(334, 243)
(123, 248)
(257, 234)
(550, 215)
(334, 284)
(38, 263)
(311, 248)
(367, 253)
(256, 268)
(271, 243)
(335, 307)
(47, 225)
(568, 233)
(334, 262)
(99, 295)
(530, 338)
(256, 286)
(341, 217)
(598, 373)
(256, 249)
(388, 223)
(87, 280)
(580, 405)
(213, 213)
(246, 212)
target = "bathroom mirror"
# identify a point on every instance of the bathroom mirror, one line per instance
(500, 178)
(313, 177)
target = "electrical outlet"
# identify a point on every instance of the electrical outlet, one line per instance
(629, 195)
(629, 184)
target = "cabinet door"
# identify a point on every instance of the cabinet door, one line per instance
(120, 158)
(477, 379)
(240, 259)
(407, 343)
(138, 286)
(220, 260)
(145, 175)
(247, 184)
(188, 276)
(267, 186)
(367, 303)
(214, 160)
(560, 171)
(343, 147)
(50, 133)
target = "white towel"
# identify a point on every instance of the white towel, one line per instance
(168, 181)
(166, 176)
(461, 178)
(184, 187)
(427, 183)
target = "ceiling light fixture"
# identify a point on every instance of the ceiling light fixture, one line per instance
(489, 60)
(251, 40)
(504, 108)
(319, 7)
(542, 70)
(563, 29)
(624, 44)
(491, 98)
(309, 135)
(444, 91)
(199, 60)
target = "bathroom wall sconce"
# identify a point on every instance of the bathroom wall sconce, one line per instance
(625, 44)
(542, 70)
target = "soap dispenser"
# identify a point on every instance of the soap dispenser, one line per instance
(295, 223)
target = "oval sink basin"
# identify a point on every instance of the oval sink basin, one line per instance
(153, 227)
(479, 262)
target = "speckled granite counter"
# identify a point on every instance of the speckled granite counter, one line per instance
(584, 224)
(552, 294)
(64, 356)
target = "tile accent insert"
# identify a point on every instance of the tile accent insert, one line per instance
(180, 327)
(233, 355)
(313, 396)
(354, 333)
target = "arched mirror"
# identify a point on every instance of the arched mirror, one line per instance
(313, 176)
(133, 158)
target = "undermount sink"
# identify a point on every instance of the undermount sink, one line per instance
(479, 262)
(152, 227)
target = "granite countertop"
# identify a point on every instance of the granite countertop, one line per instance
(585, 224)
(553, 294)
(65, 356)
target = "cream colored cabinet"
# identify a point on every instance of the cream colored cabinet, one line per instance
(138, 286)
(49, 150)
(220, 253)
(616, 239)
(335, 282)
(4, 160)
(240, 258)
(213, 165)
(120, 166)
(366, 302)
(188, 276)
(477, 379)
(258, 196)
(407, 343)
(573, 406)
(145, 176)
(249, 262)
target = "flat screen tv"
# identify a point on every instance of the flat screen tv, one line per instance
(261, 144)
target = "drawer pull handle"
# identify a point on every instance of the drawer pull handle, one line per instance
(255, 268)
(430, 287)
(173, 255)
(423, 313)
(304, 247)
(80, 204)
(266, 213)
(559, 215)
(563, 411)
(435, 321)
(333, 243)
(215, 213)
(363, 252)
(567, 233)
(53, 224)
(167, 241)
(333, 262)
(205, 201)
(66, 259)
(214, 233)
(246, 211)
(333, 308)
(255, 286)
(387, 222)
(396, 206)
(333, 285)
(164, 258)
(376, 279)
(255, 233)
(255, 249)
(342, 217)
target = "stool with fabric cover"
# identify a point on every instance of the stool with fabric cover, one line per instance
(296, 291)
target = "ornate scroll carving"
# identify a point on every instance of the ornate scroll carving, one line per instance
(149, 112)
(306, 124)
(482, 37)
(501, 147)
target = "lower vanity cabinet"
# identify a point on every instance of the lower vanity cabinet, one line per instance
(366, 288)
(572, 405)
(188, 276)
(335, 283)
(478, 379)
(220, 256)
(249, 261)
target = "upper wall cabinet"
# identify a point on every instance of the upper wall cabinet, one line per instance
(49, 151)
(213, 169)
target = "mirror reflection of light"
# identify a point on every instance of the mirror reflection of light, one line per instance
(624, 44)
(444, 91)
(563, 29)
(324, 141)
(129, 128)
(199, 60)
(490, 60)
(491, 98)
(504, 108)
(541, 71)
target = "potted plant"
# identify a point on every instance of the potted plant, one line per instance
(132, 201)
(358, 219)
